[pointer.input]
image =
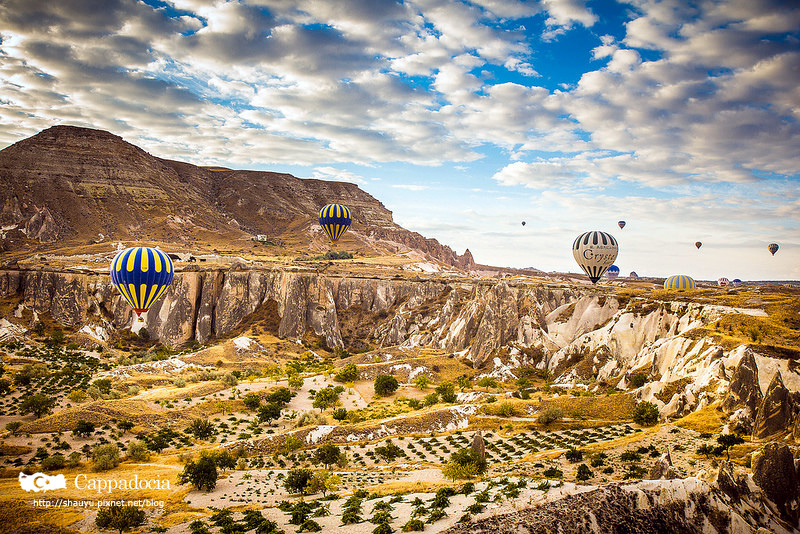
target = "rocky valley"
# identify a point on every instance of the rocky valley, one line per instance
(404, 389)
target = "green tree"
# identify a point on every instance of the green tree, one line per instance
(295, 381)
(297, 480)
(339, 414)
(464, 463)
(201, 474)
(550, 415)
(83, 429)
(137, 450)
(327, 454)
(103, 384)
(422, 382)
(388, 452)
(269, 412)
(325, 398)
(105, 456)
(348, 373)
(706, 450)
(385, 385)
(487, 382)
(431, 398)
(574, 455)
(447, 392)
(584, 473)
(645, 414)
(201, 428)
(39, 404)
(252, 401)
(727, 441)
(281, 396)
(119, 518)
(13, 426)
(125, 426)
(638, 380)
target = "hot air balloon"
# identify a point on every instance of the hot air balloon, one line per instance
(633, 275)
(142, 275)
(612, 272)
(680, 281)
(736, 282)
(595, 252)
(773, 247)
(335, 219)
(621, 224)
(723, 282)
(698, 244)
(523, 223)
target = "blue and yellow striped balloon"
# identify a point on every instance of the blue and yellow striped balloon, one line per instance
(335, 219)
(680, 281)
(142, 275)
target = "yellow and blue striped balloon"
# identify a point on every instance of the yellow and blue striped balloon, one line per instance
(680, 281)
(335, 219)
(142, 275)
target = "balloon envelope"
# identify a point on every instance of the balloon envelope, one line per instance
(595, 252)
(523, 223)
(621, 224)
(335, 219)
(773, 247)
(612, 272)
(633, 275)
(141, 274)
(722, 282)
(698, 244)
(680, 281)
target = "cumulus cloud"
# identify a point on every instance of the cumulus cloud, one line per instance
(685, 95)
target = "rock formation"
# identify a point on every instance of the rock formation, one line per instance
(662, 469)
(775, 473)
(775, 410)
(744, 390)
(682, 506)
(478, 445)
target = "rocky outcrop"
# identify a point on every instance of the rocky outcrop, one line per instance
(662, 469)
(744, 390)
(774, 413)
(775, 472)
(479, 446)
(682, 506)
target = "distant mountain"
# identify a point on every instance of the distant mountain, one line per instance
(78, 185)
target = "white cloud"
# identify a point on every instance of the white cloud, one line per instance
(411, 187)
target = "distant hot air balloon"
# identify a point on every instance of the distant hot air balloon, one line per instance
(773, 247)
(523, 223)
(680, 281)
(736, 282)
(723, 282)
(621, 224)
(595, 252)
(612, 272)
(335, 219)
(142, 275)
(698, 244)
(633, 275)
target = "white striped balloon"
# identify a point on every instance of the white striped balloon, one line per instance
(595, 252)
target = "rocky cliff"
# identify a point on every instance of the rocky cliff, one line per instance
(76, 185)
(582, 336)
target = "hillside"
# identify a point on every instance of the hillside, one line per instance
(69, 186)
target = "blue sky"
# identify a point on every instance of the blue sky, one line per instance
(463, 118)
